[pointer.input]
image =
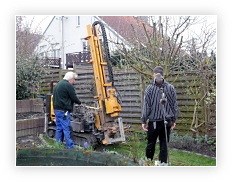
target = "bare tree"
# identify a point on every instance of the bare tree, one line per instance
(202, 55)
(29, 71)
(174, 43)
(27, 38)
(157, 43)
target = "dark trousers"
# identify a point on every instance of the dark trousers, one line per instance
(153, 133)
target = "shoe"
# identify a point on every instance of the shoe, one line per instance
(163, 164)
(157, 163)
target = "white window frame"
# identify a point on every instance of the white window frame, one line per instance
(85, 45)
(78, 21)
(56, 53)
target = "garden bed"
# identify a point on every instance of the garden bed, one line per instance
(177, 142)
(29, 115)
(29, 123)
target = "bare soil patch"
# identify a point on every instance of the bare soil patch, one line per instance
(29, 141)
(29, 115)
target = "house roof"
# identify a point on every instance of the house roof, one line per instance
(128, 27)
(133, 28)
(49, 25)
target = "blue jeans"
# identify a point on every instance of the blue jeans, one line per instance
(63, 126)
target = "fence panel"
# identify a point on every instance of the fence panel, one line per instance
(128, 84)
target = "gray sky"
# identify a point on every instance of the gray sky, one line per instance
(41, 21)
(44, 20)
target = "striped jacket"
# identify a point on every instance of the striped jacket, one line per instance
(153, 109)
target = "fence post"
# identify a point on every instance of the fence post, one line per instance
(142, 86)
(204, 90)
(60, 74)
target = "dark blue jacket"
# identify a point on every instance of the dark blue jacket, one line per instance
(64, 96)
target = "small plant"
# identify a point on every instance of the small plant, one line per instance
(59, 145)
(181, 142)
(78, 147)
(211, 141)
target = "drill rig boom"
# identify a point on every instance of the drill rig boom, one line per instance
(107, 119)
(100, 124)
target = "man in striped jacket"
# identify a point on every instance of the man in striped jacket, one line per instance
(159, 102)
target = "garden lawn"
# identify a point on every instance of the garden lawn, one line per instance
(136, 151)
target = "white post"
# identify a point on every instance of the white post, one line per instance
(121, 129)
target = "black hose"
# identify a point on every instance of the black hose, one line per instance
(106, 50)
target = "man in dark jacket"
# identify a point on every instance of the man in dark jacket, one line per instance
(64, 97)
(159, 100)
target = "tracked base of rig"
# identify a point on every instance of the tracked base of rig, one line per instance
(80, 139)
(85, 140)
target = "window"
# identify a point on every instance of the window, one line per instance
(78, 21)
(44, 54)
(56, 53)
(85, 45)
(42, 48)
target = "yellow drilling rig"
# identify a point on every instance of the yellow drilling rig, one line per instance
(100, 124)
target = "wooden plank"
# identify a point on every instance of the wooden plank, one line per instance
(187, 97)
(84, 82)
(188, 108)
(131, 110)
(186, 102)
(29, 131)
(182, 78)
(29, 123)
(131, 120)
(188, 115)
(130, 104)
(130, 115)
(122, 84)
(128, 88)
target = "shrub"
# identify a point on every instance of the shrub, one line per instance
(29, 75)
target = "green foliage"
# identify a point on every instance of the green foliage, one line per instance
(211, 141)
(181, 142)
(135, 149)
(29, 75)
(29, 70)
(135, 144)
(176, 157)
(181, 158)
(191, 143)
(51, 143)
(211, 94)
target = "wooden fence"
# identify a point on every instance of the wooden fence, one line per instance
(128, 84)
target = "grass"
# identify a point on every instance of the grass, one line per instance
(51, 143)
(180, 158)
(136, 150)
